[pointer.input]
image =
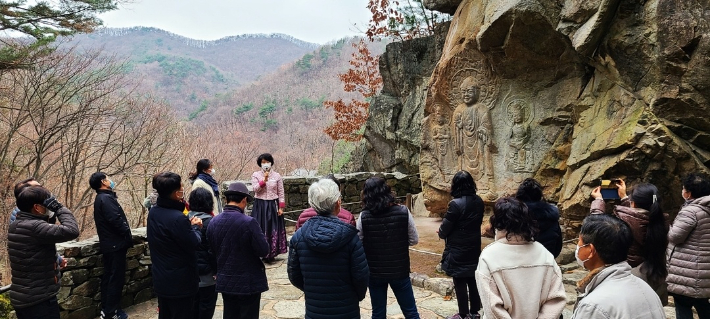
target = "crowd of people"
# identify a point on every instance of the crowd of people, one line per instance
(199, 248)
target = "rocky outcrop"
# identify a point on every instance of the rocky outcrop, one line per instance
(445, 6)
(392, 136)
(568, 92)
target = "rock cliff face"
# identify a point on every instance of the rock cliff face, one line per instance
(392, 134)
(568, 92)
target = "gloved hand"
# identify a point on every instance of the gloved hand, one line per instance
(52, 204)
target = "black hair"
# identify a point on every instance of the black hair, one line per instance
(237, 198)
(265, 156)
(698, 184)
(166, 183)
(202, 165)
(512, 215)
(332, 177)
(462, 185)
(645, 196)
(376, 195)
(20, 186)
(30, 196)
(529, 190)
(610, 236)
(95, 180)
(201, 200)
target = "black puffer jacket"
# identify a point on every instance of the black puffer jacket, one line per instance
(461, 228)
(385, 238)
(548, 223)
(326, 260)
(111, 223)
(33, 256)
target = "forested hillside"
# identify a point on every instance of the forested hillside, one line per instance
(186, 72)
(284, 110)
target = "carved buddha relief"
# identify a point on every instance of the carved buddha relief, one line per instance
(520, 157)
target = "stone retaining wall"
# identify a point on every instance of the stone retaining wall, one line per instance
(79, 296)
(296, 189)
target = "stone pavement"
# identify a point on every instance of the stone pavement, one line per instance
(283, 300)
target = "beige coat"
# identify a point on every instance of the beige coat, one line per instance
(519, 279)
(216, 207)
(613, 292)
(689, 250)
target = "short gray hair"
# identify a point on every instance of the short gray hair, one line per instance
(323, 195)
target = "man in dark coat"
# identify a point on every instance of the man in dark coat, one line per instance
(238, 244)
(545, 214)
(326, 259)
(172, 239)
(33, 255)
(114, 241)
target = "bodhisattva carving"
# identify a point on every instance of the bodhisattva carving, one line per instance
(441, 134)
(473, 138)
(520, 158)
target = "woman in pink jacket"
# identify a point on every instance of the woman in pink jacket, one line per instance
(344, 215)
(269, 203)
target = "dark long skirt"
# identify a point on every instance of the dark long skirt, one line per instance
(266, 213)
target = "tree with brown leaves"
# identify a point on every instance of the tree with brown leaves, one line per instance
(364, 79)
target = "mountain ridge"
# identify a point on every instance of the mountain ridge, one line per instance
(117, 32)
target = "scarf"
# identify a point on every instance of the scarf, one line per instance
(207, 178)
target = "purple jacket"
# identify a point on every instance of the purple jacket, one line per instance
(237, 243)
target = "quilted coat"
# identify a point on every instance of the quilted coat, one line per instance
(237, 243)
(326, 260)
(33, 256)
(688, 247)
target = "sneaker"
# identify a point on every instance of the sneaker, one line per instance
(457, 316)
(119, 314)
(473, 316)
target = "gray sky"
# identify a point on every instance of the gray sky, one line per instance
(316, 21)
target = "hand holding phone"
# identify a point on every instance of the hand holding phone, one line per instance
(621, 188)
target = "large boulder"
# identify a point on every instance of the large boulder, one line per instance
(445, 6)
(569, 92)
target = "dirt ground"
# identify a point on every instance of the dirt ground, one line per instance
(422, 260)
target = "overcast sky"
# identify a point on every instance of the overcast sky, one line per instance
(316, 21)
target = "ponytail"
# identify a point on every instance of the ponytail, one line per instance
(654, 249)
(201, 165)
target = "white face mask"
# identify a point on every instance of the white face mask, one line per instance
(266, 167)
(212, 171)
(576, 256)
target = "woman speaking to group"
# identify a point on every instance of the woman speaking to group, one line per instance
(269, 203)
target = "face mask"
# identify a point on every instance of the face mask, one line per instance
(576, 256)
(212, 171)
(112, 184)
(48, 213)
(266, 166)
(681, 195)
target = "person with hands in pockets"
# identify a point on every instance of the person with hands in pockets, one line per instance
(114, 240)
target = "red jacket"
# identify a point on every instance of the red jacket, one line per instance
(344, 215)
